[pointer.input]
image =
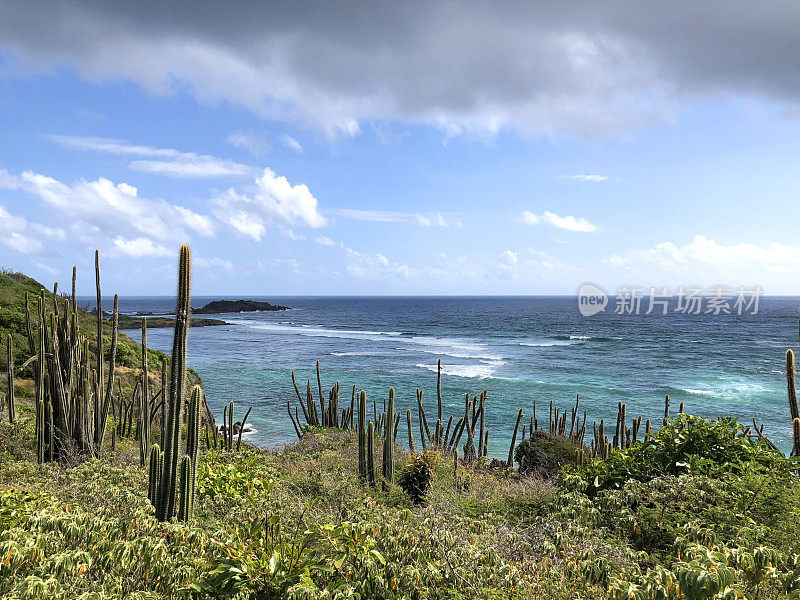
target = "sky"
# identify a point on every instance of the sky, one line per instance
(415, 148)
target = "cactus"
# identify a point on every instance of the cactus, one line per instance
(152, 479)
(790, 384)
(229, 429)
(796, 437)
(165, 509)
(388, 441)
(40, 428)
(410, 433)
(10, 395)
(666, 409)
(362, 435)
(510, 460)
(241, 429)
(482, 413)
(99, 368)
(144, 414)
(186, 503)
(291, 416)
(371, 453)
(193, 423)
(439, 392)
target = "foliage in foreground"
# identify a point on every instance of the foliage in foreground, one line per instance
(700, 512)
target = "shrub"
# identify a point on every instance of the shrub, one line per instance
(686, 445)
(543, 454)
(416, 476)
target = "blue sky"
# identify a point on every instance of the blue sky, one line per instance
(455, 149)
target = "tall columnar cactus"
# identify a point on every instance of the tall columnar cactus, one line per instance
(439, 392)
(388, 441)
(40, 428)
(666, 409)
(371, 453)
(482, 414)
(229, 429)
(99, 357)
(165, 509)
(796, 437)
(193, 423)
(186, 504)
(790, 385)
(12, 412)
(144, 414)
(510, 461)
(411, 448)
(152, 479)
(362, 435)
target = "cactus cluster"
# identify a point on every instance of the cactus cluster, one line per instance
(72, 402)
(623, 436)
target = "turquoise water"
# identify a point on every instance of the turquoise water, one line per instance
(519, 349)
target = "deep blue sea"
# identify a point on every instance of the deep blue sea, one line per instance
(519, 349)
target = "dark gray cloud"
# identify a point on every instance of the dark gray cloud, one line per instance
(585, 68)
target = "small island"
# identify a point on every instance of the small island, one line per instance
(135, 322)
(235, 306)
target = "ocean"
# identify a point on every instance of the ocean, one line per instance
(519, 349)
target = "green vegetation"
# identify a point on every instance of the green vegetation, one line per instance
(699, 509)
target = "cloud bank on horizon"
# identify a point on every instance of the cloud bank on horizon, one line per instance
(403, 148)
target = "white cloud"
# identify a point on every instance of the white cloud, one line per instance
(390, 216)
(568, 223)
(507, 265)
(197, 168)
(435, 220)
(102, 213)
(293, 144)
(170, 163)
(214, 263)
(140, 247)
(25, 237)
(271, 201)
(588, 178)
(250, 141)
(704, 256)
(325, 241)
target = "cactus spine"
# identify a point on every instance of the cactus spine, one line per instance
(12, 413)
(165, 509)
(388, 442)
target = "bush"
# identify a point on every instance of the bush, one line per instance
(416, 476)
(543, 454)
(685, 445)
